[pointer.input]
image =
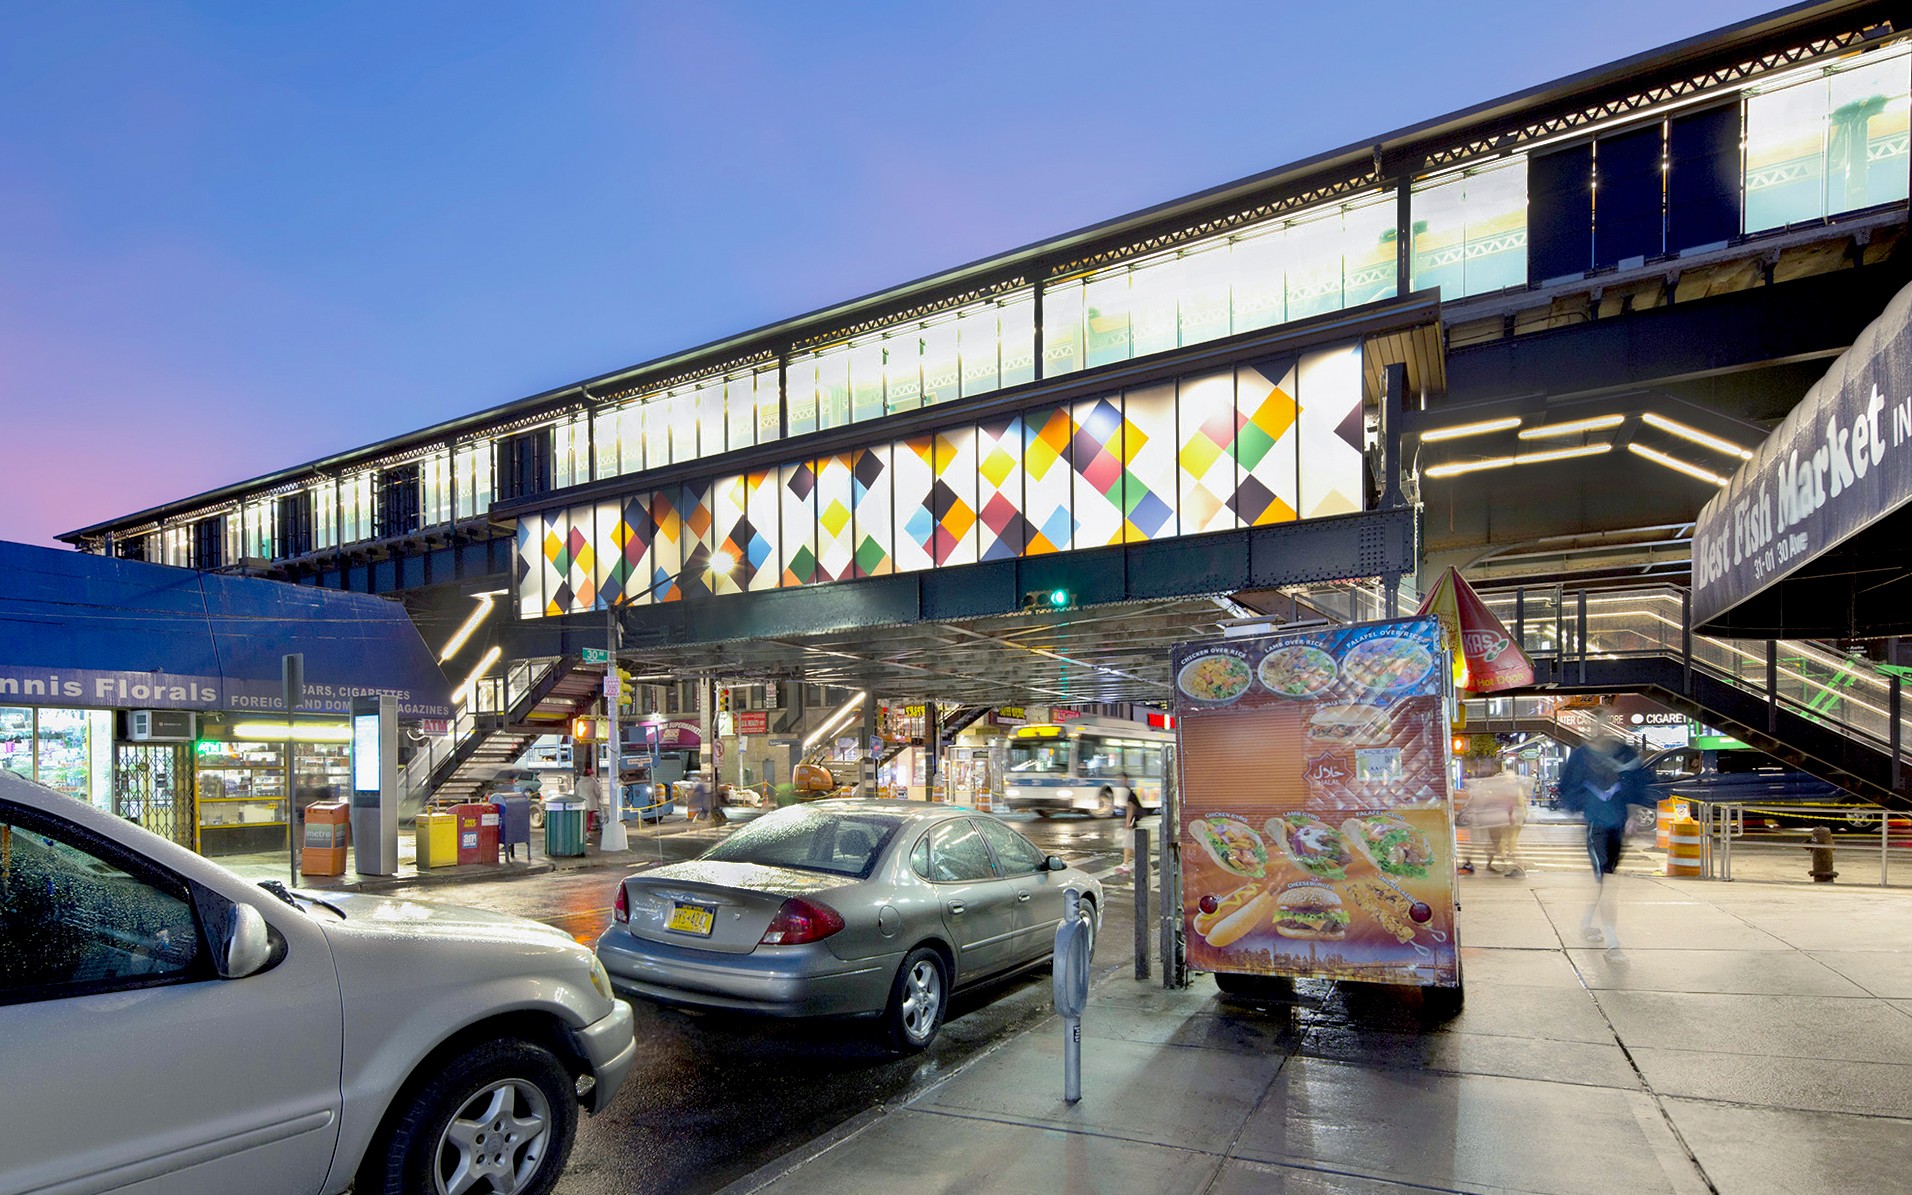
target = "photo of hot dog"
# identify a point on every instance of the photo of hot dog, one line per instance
(1236, 915)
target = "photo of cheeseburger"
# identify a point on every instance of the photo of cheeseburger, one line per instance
(1311, 912)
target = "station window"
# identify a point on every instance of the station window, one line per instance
(209, 543)
(398, 509)
(295, 525)
(1470, 230)
(524, 464)
(1827, 144)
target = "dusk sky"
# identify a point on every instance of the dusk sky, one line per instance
(237, 237)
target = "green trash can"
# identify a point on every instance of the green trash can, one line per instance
(563, 828)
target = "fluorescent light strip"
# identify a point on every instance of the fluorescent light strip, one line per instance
(462, 693)
(1573, 427)
(463, 634)
(1677, 465)
(831, 723)
(279, 732)
(1697, 436)
(1526, 458)
(1469, 429)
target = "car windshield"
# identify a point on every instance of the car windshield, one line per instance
(1050, 757)
(811, 839)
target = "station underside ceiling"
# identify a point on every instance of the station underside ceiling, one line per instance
(1109, 653)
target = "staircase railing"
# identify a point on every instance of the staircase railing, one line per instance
(491, 703)
(1803, 677)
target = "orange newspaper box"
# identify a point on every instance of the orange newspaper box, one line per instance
(328, 831)
(477, 833)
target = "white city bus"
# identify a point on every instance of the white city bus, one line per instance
(1088, 764)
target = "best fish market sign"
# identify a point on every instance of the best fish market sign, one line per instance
(1841, 461)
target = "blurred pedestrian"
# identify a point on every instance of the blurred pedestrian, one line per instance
(1496, 806)
(1132, 816)
(1603, 778)
(586, 791)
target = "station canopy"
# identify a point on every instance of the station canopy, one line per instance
(95, 631)
(1810, 538)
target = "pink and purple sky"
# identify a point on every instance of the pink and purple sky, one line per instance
(235, 237)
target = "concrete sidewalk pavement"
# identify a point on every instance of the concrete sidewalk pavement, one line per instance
(1758, 1038)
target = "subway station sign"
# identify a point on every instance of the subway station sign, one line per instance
(1838, 464)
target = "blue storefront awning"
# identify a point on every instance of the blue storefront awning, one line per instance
(83, 630)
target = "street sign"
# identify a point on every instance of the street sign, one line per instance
(597, 655)
(611, 684)
(753, 722)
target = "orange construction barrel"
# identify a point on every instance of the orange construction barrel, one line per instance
(328, 831)
(1683, 848)
(1670, 809)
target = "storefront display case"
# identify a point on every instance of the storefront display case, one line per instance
(241, 788)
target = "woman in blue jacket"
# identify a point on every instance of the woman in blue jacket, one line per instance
(1602, 780)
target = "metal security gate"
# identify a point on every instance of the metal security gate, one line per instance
(152, 785)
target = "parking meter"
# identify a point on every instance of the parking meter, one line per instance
(1071, 981)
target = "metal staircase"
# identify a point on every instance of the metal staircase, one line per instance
(1819, 710)
(492, 729)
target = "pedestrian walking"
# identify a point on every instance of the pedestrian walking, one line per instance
(1132, 816)
(1496, 805)
(586, 791)
(1602, 780)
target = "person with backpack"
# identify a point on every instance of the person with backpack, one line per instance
(1603, 779)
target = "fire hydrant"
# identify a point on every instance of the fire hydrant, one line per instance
(1822, 871)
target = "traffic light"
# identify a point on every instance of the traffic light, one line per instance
(583, 728)
(723, 699)
(1049, 599)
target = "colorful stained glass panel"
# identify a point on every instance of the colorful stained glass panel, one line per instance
(915, 480)
(873, 523)
(1047, 478)
(953, 497)
(1206, 452)
(1331, 432)
(1266, 443)
(1001, 530)
(1149, 473)
(836, 541)
(1096, 450)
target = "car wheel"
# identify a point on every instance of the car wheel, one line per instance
(918, 999)
(499, 1118)
(1858, 821)
(1105, 802)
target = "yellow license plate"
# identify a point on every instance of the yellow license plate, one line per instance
(691, 919)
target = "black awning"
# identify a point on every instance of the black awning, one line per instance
(95, 631)
(1810, 538)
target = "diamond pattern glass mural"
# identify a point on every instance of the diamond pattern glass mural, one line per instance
(1332, 435)
(835, 540)
(1001, 531)
(1206, 452)
(953, 497)
(730, 532)
(1097, 455)
(1047, 501)
(915, 478)
(1148, 453)
(797, 553)
(1265, 443)
(762, 565)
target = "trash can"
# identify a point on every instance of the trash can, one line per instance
(563, 828)
(328, 831)
(477, 833)
(514, 823)
(437, 840)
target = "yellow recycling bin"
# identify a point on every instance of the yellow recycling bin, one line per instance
(437, 840)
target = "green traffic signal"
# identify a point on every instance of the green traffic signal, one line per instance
(1058, 598)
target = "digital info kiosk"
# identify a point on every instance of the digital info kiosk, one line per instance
(375, 785)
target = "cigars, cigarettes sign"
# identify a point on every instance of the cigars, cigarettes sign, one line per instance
(1317, 836)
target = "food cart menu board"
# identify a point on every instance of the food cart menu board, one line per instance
(1316, 824)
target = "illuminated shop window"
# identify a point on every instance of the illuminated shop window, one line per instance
(1470, 230)
(1829, 144)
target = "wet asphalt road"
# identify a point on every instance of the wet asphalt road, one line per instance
(716, 1096)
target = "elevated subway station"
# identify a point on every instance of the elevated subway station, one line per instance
(1599, 293)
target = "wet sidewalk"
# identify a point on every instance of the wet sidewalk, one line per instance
(1757, 1038)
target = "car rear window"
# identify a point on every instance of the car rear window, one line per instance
(810, 839)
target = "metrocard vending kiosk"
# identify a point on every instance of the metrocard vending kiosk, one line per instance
(375, 785)
(1316, 819)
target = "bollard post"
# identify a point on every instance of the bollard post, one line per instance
(1822, 871)
(1070, 981)
(1141, 903)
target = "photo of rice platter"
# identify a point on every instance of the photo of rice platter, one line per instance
(1300, 670)
(1389, 662)
(1219, 677)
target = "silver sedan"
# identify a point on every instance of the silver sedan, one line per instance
(844, 907)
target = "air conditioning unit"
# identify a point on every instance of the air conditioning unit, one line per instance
(161, 726)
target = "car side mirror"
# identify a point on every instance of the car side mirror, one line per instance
(1054, 863)
(248, 945)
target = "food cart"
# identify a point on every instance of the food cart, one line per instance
(1315, 815)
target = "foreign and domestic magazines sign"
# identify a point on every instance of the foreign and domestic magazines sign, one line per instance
(1316, 822)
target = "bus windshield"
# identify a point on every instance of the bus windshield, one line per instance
(1027, 757)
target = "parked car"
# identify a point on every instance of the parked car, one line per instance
(844, 907)
(181, 1029)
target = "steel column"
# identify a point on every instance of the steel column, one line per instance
(1772, 686)
(1141, 878)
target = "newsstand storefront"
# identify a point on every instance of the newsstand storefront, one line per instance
(155, 692)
